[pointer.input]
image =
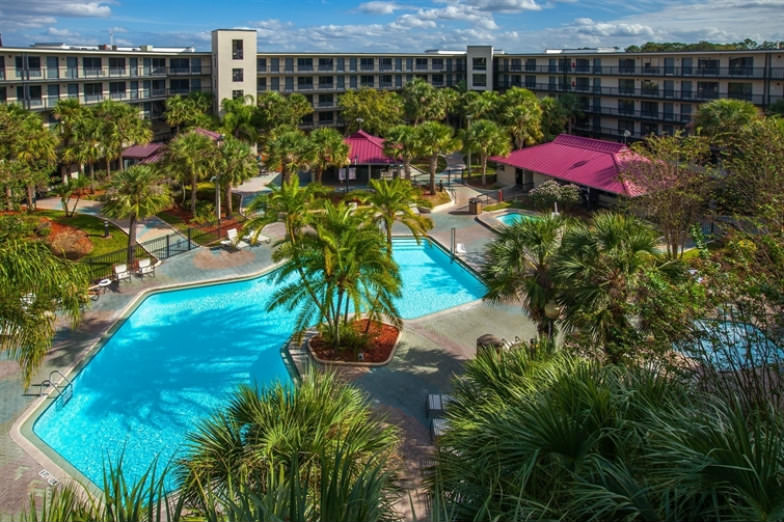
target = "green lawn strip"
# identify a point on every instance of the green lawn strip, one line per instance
(94, 228)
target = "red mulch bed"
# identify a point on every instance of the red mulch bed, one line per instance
(186, 216)
(383, 341)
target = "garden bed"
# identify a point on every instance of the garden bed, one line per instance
(379, 351)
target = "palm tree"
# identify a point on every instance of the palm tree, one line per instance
(519, 266)
(402, 143)
(236, 165)
(722, 119)
(190, 156)
(522, 114)
(570, 108)
(136, 193)
(390, 202)
(435, 139)
(330, 150)
(289, 152)
(239, 119)
(481, 105)
(37, 156)
(34, 284)
(187, 111)
(488, 139)
(68, 112)
(297, 107)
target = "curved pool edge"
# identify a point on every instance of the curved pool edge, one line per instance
(491, 221)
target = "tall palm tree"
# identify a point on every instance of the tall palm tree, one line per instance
(297, 107)
(239, 119)
(435, 139)
(68, 112)
(329, 150)
(237, 164)
(289, 152)
(519, 266)
(136, 193)
(482, 105)
(488, 139)
(570, 108)
(522, 114)
(37, 156)
(402, 143)
(390, 202)
(190, 156)
(722, 119)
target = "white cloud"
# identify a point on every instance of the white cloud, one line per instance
(62, 33)
(379, 7)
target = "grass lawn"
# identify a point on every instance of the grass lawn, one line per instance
(93, 226)
(439, 198)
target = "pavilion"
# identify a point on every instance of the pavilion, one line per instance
(366, 150)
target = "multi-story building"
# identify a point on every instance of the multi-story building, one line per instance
(621, 95)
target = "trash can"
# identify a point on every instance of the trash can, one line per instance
(475, 206)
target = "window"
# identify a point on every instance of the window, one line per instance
(326, 82)
(739, 91)
(237, 75)
(133, 65)
(261, 64)
(582, 65)
(352, 83)
(237, 94)
(650, 88)
(669, 66)
(437, 64)
(551, 83)
(326, 117)
(649, 109)
(304, 83)
(274, 84)
(179, 86)
(366, 64)
(624, 126)
(274, 64)
(366, 80)
(289, 83)
(517, 64)
(307, 119)
(159, 65)
(289, 65)
(707, 66)
(398, 81)
(668, 111)
(669, 130)
(686, 90)
(176, 65)
(3, 96)
(352, 64)
(341, 82)
(73, 90)
(93, 92)
(398, 64)
(53, 94)
(236, 50)
(597, 65)
(134, 90)
(159, 87)
(625, 86)
(479, 80)
(582, 84)
(626, 65)
(625, 106)
(685, 112)
(409, 64)
(421, 64)
(304, 64)
(530, 81)
(325, 64)
(708, 90)
(196, 85)
(669, 89)
(530, 64)
(117, 66)
(117, 90)
(261, 84)
(597, 85)
(92, 66)
(325, 100)
(649, 128)
(650, 68)
(479, 64)
(72, 67)
(341, 64)
(742, 66)
(52, 67)
(386, 64)
(686, 66)
(195, 65)
(35, 95)
(552, 65)
(20, 94)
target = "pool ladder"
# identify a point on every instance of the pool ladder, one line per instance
(65, 392)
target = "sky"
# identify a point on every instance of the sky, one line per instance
(391, 25)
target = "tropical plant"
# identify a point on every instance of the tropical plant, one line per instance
(569, 107)
(391, 202)
(487, 139)
(236, 164)
(186, 112)
(545, 195)
(119, 125)
(481, 105)
(290, 152)
(69, 114)
(553, 118)
(402, 143)
(274, 111)
(66, 190)
(239, 119)
(721, 119)
(34, 283)
(135, 193)
(522, 114)
(330, 150)
(519, 267)
(435, 139)
(423, 102)
(189, 158)
(374, 111)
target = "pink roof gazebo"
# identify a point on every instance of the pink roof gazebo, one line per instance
(367, 149)
(144, 154)
(584, 161)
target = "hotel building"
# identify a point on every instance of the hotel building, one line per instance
(621, 95)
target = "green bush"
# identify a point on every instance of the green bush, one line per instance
(205, 213)
(550, 192)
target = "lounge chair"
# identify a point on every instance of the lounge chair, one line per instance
(438, 427)
(436, 403)
(233, 240)
(460, 249)
(121, 272)
(260, 238)
(145, 268)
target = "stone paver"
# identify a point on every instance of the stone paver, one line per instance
(431, 352)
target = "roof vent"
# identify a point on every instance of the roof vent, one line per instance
(578, 164)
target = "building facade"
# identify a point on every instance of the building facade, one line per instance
(622, 96)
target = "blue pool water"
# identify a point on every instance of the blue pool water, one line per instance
(514, 217)
(730, 345)
(181, 353)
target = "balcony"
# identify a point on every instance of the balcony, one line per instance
(179, 70)
(93, 72)
(117, 71)
(92, 98)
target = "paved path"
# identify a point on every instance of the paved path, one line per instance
(432, 351)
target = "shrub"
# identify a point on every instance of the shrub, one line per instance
(71, 243)
(14, 227)
(205, 213)
(550, 192)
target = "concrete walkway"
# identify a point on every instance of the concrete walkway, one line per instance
(431, 352)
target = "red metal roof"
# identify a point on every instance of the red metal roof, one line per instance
(149, 153)
(583, 161)
(210, 134)
(366, 148)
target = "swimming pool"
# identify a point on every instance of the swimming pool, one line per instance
(511, 218)
(728, 345)
(181, 353)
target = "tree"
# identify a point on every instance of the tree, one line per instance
(570, 108)
(487, 139)
(297, 107)
(34, 284)
(189, 157)
(238, 119)
(390, 202)
(402, 143)
(377, 110)
(33, 155)
(435, 139)
(236, 164)
(274, 110)
(289, 152)
(553, 118)
(673, 184)
(329, 150)
(423, 102)
(69, 114)
(721, 119)
(119, 125)
(485, 104)
(522, 114)
(135, 193)
(186, 112)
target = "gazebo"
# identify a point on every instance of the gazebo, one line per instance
(142, 154)
(367, 150)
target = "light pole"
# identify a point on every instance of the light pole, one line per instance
(356, 158)
(626, 134)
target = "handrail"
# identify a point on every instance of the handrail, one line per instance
(61, 390)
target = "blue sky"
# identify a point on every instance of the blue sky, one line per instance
(392, 25)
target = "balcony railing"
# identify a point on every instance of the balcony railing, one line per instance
(120, 95)
(89, 98)
(118, 71)
(93, 72)
(687, 71)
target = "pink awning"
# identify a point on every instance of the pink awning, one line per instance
(366, 149)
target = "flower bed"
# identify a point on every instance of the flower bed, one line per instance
(379, 351)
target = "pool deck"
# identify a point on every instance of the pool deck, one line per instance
(431, 350)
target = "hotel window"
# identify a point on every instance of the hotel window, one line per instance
(438, 80)
(597, 85)
(386, 64)
(437, 64)
(530, 81)
(625, 86)
(72, 67)
(352, 82)
(686, 90)
(73, 90)
(398, 81)
(117, 90)
(274, 84)
(421, 64)
(307, 119)
(289, 65)
(2, 67)
(289, 83)
(52, 94)
(117, 66)
(325, 64)
(479, 64)
(325, 100)
(261, 84)
(649, 128)
(274, 64)
(650, 68)
(626, 65)
(625, 106)
(649, 109)
(708, 90)
(3, 96)
(597, 65)
(479, 80)
(304, 64)
(685, 112)
(707, 66)
(304, 83)
(686, 66)
(91, 66)
(625, 125)
(237, 94)
(582, 84)
(366, 64)
(669, 89)
(386, 81)
(134, 94)
(133, 65)
(179, 86)
(261, 65)
(196, 85)
(341, 64)
(326, 117)
(517, 64)
(742, 66)
(409, 64)
(341, 82)
(93, 92)
(366, 80)
(739, 91)
(450, 79)
(237, 75)
(20, 94)
(236, 50)
(551, 83)
(669, 66)
(52, 67)
(650, 88)
(352, 64)
(409, 78)
(530, 65)
(159, 65)
(159, 87)
(326, 82)
(398, 64)
(582, 65)
(668, 111)
(35, 95)
(668, 130)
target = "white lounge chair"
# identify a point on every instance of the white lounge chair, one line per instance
(145, 268)
(121, 272)
(233, 240)
(460, 249)
(436, 403)
(438, 427)
(261, 238)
